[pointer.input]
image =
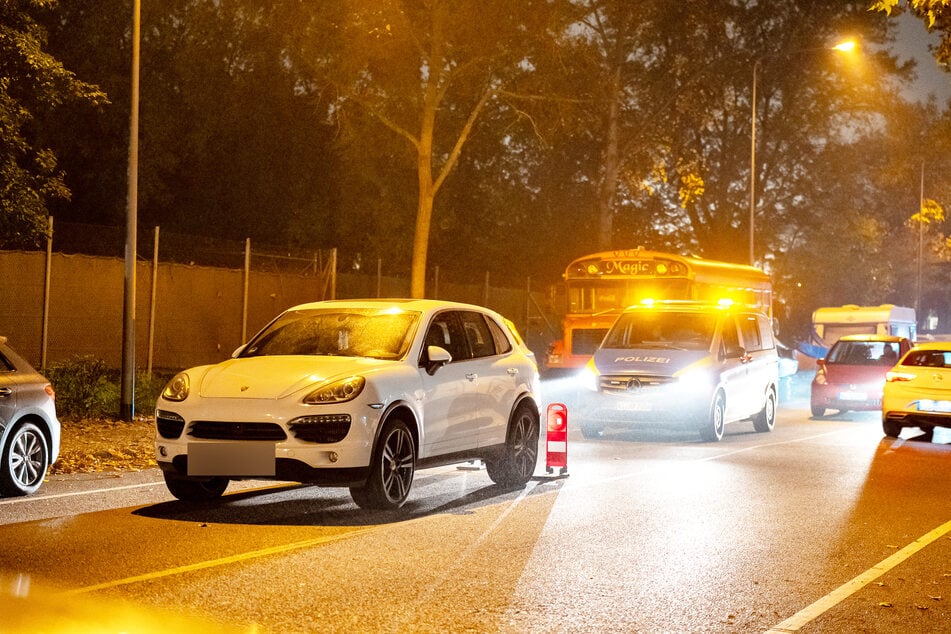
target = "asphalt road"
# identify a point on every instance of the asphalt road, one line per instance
(820, 526)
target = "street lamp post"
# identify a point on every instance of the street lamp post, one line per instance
(844, 46)
(127, 379)
(921, 230)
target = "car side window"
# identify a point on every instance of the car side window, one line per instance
(751, 333)
(480, 339)
(5, 365)
(447, 332)
(766, 332)
(728, 337)
(502, 343)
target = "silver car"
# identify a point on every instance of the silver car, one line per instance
(29, 429)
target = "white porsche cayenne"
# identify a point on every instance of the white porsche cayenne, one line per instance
(355, 393)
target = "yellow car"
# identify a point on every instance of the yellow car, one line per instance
(918, 390)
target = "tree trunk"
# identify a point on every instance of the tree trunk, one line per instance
(611, 168)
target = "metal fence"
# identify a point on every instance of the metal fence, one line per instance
(57, 306)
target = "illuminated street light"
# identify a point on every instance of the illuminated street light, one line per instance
(844, 46)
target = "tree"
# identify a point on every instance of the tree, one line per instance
(32, 84)
(426, 70)
(935, 13)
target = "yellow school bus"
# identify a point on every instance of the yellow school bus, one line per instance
(599, 286)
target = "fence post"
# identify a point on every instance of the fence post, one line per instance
(485, 293)
(528, 303)
(46, 296)
(436, 282)
(244, 301)
(333, 273)
(379, 276)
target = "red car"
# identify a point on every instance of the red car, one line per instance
(852, 375)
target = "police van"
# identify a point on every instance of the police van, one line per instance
(693, 365)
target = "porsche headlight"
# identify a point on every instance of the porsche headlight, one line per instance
(337, 392)
(177, 388)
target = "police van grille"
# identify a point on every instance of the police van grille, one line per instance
(627, 383)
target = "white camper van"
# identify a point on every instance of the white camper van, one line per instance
(829, 324)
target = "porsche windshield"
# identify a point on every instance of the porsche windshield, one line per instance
(355, 332)
(681, 331)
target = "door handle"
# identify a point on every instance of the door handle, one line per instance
(5, 391)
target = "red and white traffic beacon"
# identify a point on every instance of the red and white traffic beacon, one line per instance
(556, 442)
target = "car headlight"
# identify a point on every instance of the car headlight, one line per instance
(337, 392)
(695, 378)
(588, 377)
(177, 388)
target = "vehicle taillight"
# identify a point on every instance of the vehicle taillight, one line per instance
(49, 390)
(894, 377)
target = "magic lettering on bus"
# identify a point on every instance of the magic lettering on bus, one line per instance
(628, 267)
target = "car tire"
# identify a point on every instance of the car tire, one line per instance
(26, 457)
(391, 469)
(514, 465)
(817, 411)
(766, 419)
(195, 489)
(891, 428)
(712, 429)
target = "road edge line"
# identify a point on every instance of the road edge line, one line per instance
(811, 612)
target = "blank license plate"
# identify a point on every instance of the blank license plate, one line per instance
(231, 459)
(853, 396)
(943, 407)
(634, 406)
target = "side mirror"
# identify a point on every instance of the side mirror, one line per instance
(734, 352)
(437, 357)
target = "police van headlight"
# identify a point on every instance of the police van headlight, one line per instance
(694, 379)
(588, 378)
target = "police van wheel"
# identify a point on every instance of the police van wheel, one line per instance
(766, 419)
(712, 429)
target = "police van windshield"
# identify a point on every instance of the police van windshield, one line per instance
(680, 331)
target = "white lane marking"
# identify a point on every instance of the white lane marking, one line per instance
(38, 498)
(807, 614)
